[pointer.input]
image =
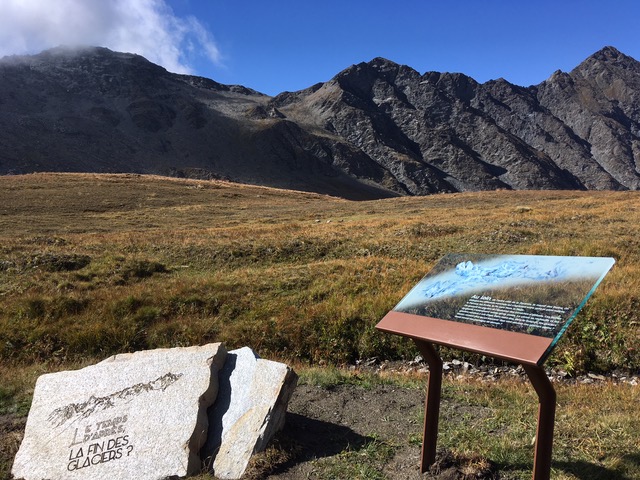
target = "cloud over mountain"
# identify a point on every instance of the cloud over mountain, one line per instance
(146, 27)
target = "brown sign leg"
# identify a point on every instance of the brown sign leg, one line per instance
(546, 419)
(432, 403)
(546, 412)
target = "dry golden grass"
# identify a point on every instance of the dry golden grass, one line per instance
(91, 265)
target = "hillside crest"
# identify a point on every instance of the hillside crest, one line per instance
(376, 129)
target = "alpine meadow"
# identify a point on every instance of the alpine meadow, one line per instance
(93, 264)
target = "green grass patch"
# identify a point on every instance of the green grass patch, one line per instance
(331, 377)
(596, 430)
(365, 462)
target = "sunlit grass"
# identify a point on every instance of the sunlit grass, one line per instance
(92, 265)
(596, 430)
(299, 275)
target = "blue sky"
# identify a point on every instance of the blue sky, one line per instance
(286, 45)
(289, 45)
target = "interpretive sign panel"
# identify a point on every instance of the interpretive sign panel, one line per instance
(514, 307)
(511, 297)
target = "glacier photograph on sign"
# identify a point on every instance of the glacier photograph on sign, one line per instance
(532, 294)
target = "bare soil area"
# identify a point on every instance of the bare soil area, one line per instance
(323, 424)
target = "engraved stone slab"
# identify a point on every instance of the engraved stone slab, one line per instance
(250, 408)
(140, 415)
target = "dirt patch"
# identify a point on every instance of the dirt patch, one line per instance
(328, 428)
(323, 424)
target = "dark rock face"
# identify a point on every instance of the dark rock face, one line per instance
(441, 131)
(377, 129)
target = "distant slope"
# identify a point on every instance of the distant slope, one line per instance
(375, 130)
(94, 110)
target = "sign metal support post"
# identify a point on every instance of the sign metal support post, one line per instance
(546, 412)
(432, 403)
(546, 420)
(509, 307)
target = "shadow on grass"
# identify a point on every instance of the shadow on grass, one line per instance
(627, 469)
(311, 439)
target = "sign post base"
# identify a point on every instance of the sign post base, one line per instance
(546, 413)
(546, 420)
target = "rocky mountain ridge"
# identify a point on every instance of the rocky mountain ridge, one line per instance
(377, 129)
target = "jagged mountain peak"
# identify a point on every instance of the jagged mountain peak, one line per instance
(70, 55)
(384, 65)
(379, 64)
(86, 50)
(363, 75)
(608, 53)
(378, 128)
(608, 58)
(90, 69)
(363, 78)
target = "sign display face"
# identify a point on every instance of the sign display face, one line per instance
(529, 295)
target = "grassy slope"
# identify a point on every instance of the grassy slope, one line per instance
(93, 265)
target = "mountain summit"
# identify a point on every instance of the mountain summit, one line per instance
(376, 129)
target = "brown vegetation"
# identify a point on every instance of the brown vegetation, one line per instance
(92, 265)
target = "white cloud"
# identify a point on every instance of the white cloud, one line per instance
(146, 27)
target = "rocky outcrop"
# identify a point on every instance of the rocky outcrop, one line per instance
(376, 129)
(441, 131)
